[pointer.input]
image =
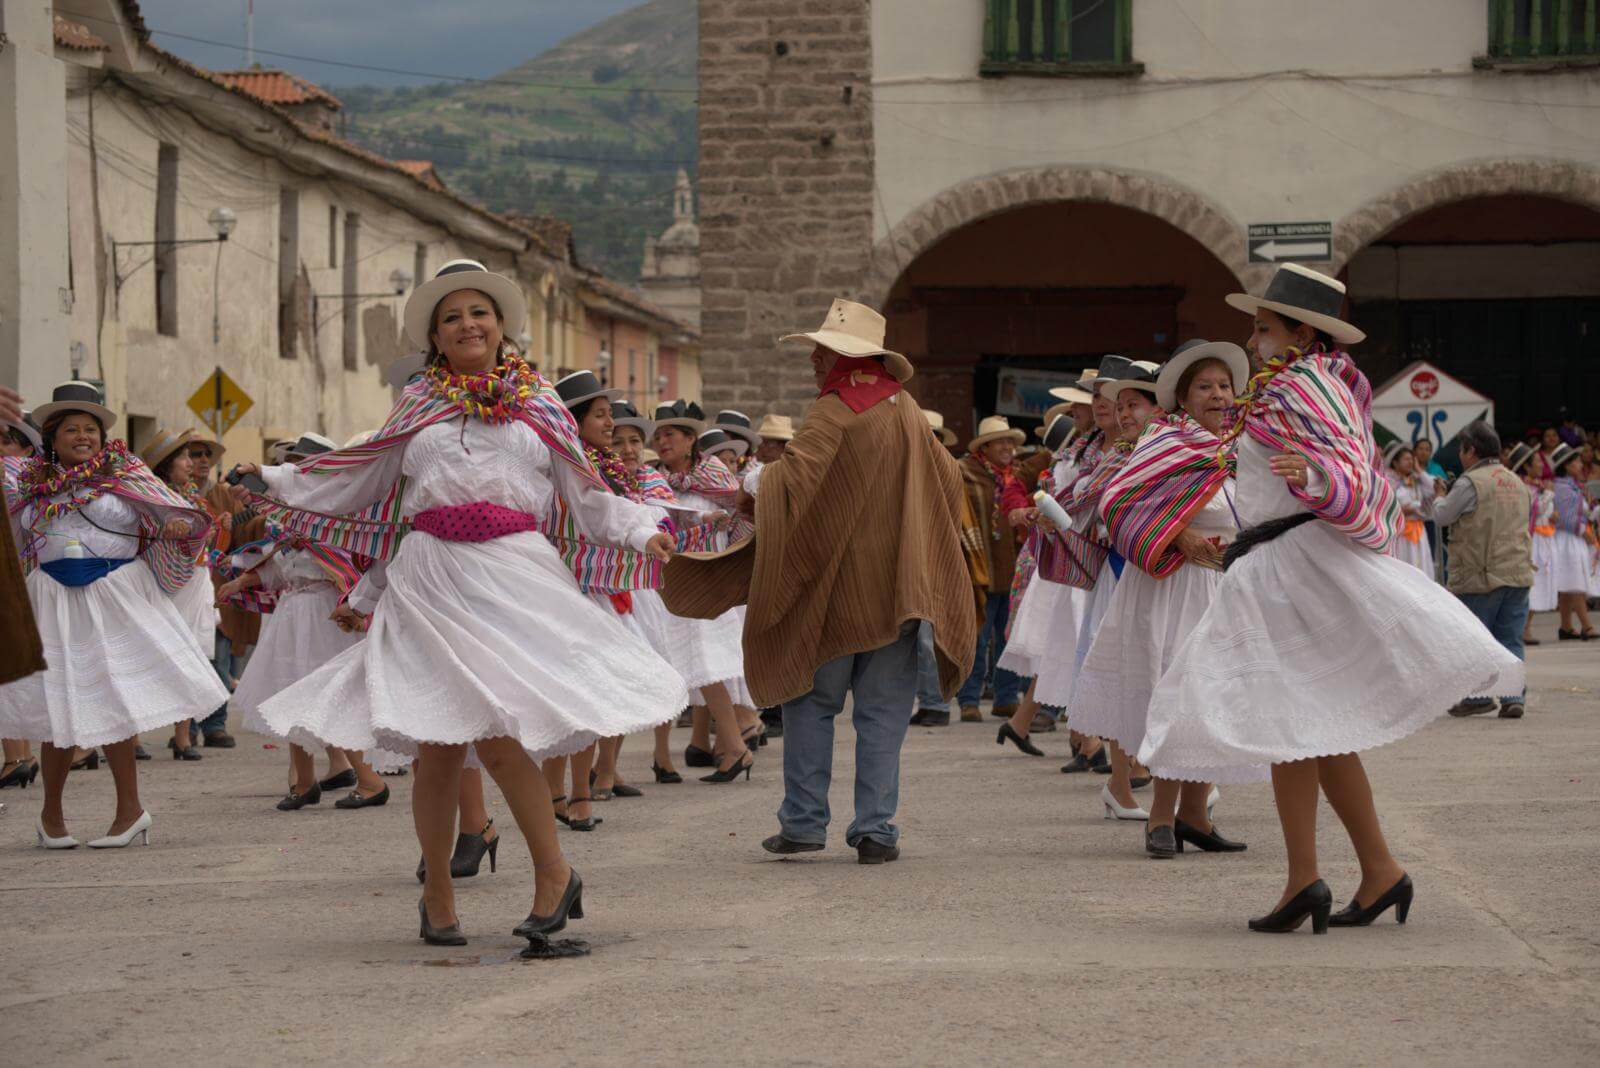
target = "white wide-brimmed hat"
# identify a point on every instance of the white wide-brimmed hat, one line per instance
(717, 439)
(738, 425)
(457, 275)
(1520, 454)
(1140, 374)
(685, 415)
(399, 373)
(1563, 455)
(76, 396)
(1050, 413)
(995, 428)
(580, 386)
(1391, 450)
(1192, 352)
(1080, 392)
(27, 429)
(162, 445)
(1304, 295)
(940, 431)
(623, 413)
(775, 428)
(1057, 432)
(309, 444)
(852, 329)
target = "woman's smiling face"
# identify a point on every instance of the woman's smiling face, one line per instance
(467, 331)
(77, 439)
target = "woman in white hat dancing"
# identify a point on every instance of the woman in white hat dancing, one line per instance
(482, 638)
(1318, 644)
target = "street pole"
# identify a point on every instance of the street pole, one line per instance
(216, 403)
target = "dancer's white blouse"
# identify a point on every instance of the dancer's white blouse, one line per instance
(477, 640)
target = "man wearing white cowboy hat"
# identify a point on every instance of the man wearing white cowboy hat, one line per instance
(856, 541)
(775, 433)
(994, 491)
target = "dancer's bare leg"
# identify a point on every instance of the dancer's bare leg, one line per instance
(1294, 788)
(433, 811)
(527, 794)
(1344, 781)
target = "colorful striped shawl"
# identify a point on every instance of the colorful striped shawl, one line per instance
(1072, 557)
(343, 569)
(171, 560)
(376, 531)
(1320, 407)
(709, 478)
(1174, 469)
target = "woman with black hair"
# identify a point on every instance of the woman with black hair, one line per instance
(106, 545)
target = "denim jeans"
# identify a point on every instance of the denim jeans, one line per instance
(881, 682)
(929, 695)
(1505, 612)
(991, 639)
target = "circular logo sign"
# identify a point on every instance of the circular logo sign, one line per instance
(1424, 384)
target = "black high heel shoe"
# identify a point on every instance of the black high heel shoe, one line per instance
(470, 850)
(664, 777)
(732, 773)
(1397, 897)
(695, 757)
(1007, 734)
(588, 823)
(17, 776)
(571, 907)
(87, 763)
(1208, 841)
(438, 936)
(1315, 901)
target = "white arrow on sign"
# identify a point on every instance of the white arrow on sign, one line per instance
(1275, 250)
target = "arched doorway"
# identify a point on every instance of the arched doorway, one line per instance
(996, 310)
(1501, 290)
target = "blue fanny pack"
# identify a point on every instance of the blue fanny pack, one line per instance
(82, 571)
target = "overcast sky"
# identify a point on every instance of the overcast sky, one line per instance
(479, 38)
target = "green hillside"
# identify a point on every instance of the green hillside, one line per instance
(602, 156)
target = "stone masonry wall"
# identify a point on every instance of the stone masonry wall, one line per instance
(786, 160)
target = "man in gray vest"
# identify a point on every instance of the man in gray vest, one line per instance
(1491, 549)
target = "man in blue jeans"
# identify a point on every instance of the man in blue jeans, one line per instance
(1491, 550)
(990, 480)
(857, 540)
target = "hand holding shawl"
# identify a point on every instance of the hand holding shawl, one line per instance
(1174, 469)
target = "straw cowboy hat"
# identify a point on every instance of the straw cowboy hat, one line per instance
(1080, 392)
(737, 425)
(775, 428)
(852, 329)
(400, 373)
(995, 428)
(1192, 352)
(1140, 375)
(457, 275)
(28, 429)
(623, 413)
(309, 444)
(203, 436)
(686, 415)
(75, 396)
(717, 439)
(580, 386)
(1521, 453)
(162, 445)
(1303, 294)
(940, 431)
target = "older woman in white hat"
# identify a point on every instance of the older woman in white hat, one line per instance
(107, 544)
(1317, 643)
(459, 654)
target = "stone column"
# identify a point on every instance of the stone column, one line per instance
(35, 297)
(786, 155)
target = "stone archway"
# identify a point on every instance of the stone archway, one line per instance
(993, 194)
(1548, 178)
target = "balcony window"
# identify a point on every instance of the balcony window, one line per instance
(1059, 38)
(1550, 32)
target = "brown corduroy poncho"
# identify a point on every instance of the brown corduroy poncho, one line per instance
(21, 653)
(857, 532)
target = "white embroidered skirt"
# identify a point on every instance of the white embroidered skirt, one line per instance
(196, 603)
(297, 638)
(473, 641)
(1570, 560)
(1542, 597)
(1072, 629)
(1031, 636)
(1314, 646)
(119, 660)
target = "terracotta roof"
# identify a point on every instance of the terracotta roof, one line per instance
(617, 293)
(423, 168)
(76, 36)
(555, 232)
(278, 87)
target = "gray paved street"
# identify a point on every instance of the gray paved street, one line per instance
(1019, 926)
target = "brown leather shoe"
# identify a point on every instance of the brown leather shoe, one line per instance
(971, 714)
(1003, 711)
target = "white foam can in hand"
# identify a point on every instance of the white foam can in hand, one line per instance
(1052, 510)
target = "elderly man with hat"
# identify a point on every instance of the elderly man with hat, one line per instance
(991, 483)
(1490, 567)
(857, 541)
(236, 629)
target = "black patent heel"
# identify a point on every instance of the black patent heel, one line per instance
(570, 907)
(744, 764)
(665, 777)
(438, 936)
(1397, 897)
(1315, 901)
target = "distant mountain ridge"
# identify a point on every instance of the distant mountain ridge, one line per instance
(602, 156)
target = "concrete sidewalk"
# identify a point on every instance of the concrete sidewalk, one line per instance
(1019, 926)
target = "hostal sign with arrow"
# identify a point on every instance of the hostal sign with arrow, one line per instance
(1298, 241)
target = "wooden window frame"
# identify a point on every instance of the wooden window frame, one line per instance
(1534, 51)
(1001, 47)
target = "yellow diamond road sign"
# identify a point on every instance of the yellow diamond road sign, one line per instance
(220, 402)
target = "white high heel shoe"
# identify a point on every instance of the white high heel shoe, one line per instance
(66, 841)
(1115, 811)
(139, 829)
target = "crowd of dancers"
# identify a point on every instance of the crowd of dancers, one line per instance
(1208, 572)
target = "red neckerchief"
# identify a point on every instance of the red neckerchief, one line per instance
(1002, 476)
(860, 381)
